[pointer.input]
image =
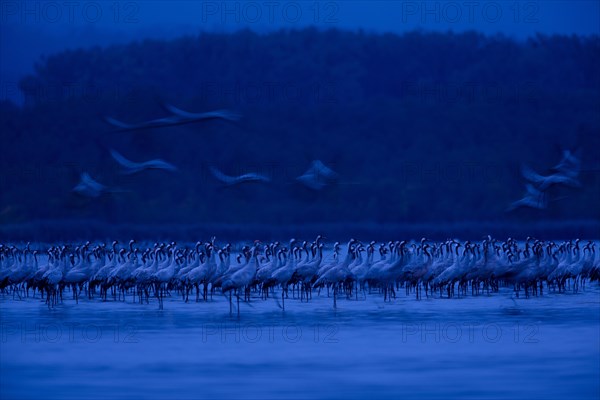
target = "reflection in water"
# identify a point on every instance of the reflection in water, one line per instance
(475, 347)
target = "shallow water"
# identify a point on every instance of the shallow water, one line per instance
(474, 347)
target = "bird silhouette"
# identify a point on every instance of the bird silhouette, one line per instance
(234, 180)
(544, 182)
(177, 117)
(89, 187)
(534, 198)
(569, 165)
(131, 167)
(317, 176)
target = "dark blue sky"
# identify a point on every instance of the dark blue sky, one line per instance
(30, 29)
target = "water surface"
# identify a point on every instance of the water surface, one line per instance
(474, 347)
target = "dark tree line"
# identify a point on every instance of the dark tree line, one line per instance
(421, 127)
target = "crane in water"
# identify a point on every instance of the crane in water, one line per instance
(442, 269)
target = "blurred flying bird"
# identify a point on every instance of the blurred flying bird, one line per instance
(233, 180)
(218, 114)
(178, 117)
(132, 167)
(89, 187)
(317, 176)
(534, 198)
(569, 165)
(544, 182)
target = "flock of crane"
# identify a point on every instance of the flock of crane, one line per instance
(316, 177)
(434, 269)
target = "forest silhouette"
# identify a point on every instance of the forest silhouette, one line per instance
(421, 128)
